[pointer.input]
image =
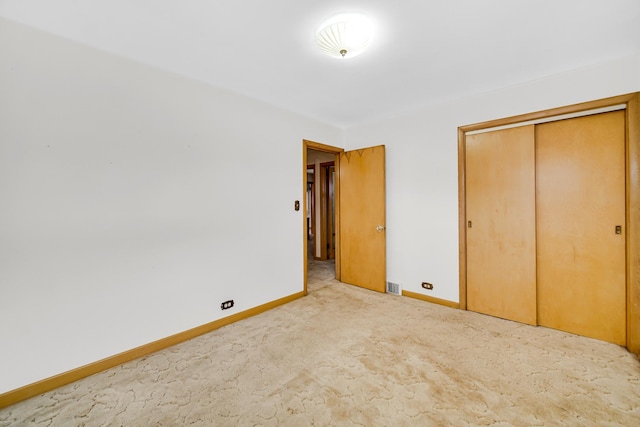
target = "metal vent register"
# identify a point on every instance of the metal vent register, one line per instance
(393, 288)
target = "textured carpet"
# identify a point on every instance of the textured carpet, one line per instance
(347, 356)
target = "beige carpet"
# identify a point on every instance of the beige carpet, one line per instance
(347, 356)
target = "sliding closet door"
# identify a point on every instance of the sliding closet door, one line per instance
(501, 246)
(581, 226)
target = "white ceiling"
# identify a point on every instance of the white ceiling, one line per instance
(424, 52)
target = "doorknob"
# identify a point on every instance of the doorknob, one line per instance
(380, 228)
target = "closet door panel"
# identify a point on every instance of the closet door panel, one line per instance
(580, 200)
(500, 203)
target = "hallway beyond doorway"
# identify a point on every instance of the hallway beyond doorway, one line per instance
(320, 274)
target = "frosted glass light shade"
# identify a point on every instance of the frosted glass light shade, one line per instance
(345, 35)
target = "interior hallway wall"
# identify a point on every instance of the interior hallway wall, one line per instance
(133, 203)
(422, 165)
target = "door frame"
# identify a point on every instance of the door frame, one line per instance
(312, 145)
(632, 113)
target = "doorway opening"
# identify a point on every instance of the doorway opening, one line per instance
(354, 217)
(321, 212)
(321, 230)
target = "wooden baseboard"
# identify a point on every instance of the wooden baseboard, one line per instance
(430, 299)
(48, 384)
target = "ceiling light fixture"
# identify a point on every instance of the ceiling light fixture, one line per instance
(345, 35)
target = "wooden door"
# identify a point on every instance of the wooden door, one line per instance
(501, 245)
(362, 218)
(580, 202)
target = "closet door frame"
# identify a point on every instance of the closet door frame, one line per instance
(632, 113)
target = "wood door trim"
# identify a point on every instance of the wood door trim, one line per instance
(632, 112)
(312, 145)
(462, 218)
(569, 109)
(633, 223)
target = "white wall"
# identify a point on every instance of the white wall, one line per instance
(422, 166)
(132, 203)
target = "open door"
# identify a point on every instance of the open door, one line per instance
(362, 226)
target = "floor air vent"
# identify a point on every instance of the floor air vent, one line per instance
(393, 288)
